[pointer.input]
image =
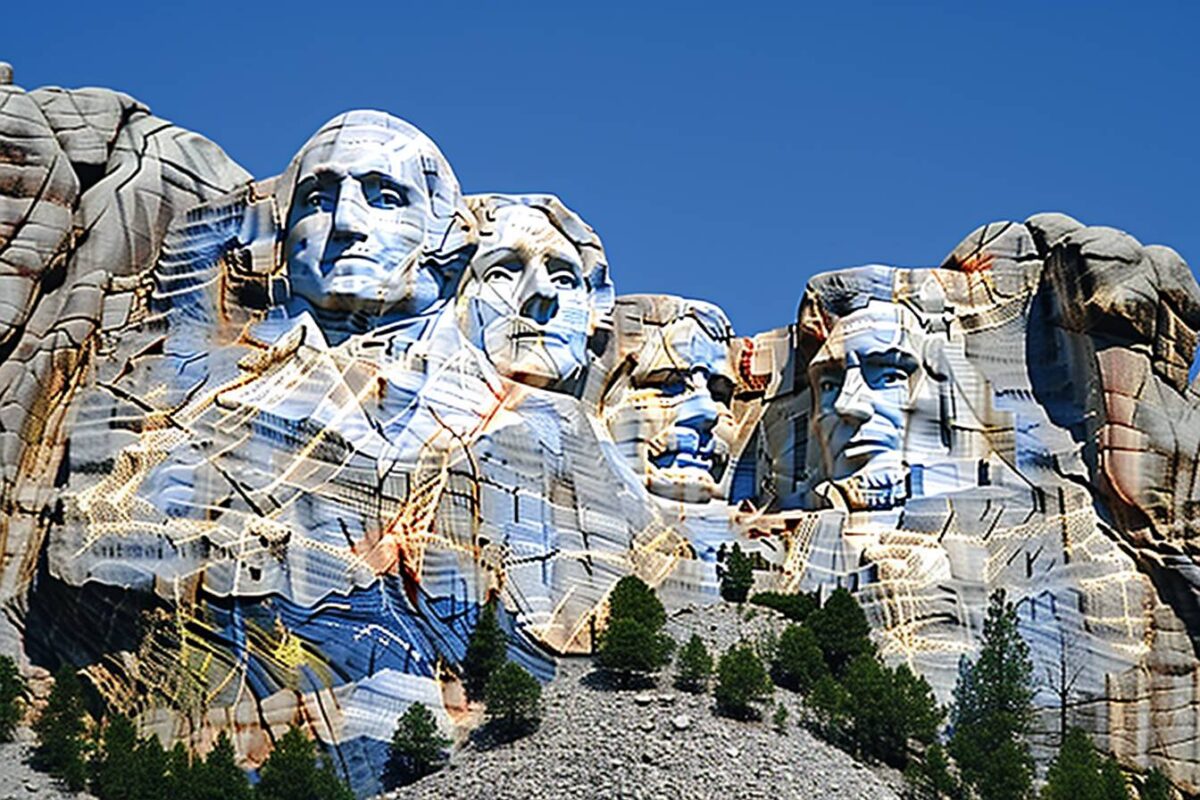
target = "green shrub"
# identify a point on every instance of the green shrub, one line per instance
(12, 696)
(487, 650)
(742, 681)
(779, 719)
(514, 701)
(60, 730)
(693, 666)
(798, 662)
(796, 607)
(737, 576)
(292, 772)
(417, 749)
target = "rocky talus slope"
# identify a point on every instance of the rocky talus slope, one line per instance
(599, 742)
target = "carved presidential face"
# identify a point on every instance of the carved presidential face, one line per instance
(669, 410)
(863, 381)
(525, 302)
(369, 193)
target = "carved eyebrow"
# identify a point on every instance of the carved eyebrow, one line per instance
(502, 253)
(558, 263)
(320, 173)
(383, 177)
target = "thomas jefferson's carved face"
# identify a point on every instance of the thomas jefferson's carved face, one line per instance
(525, 301)
(359, 216)
(670, 416)
(863, 380)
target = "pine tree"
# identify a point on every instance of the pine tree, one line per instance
(830, 705)
(798, 662)
(292, 773)
(633, 641)
(219, 777)
(487, 651)
(181, 777)
(1113, 785)
(149, 778)
(633, 599)
(841, 630)
(60, 731)
(742, 681)
(888, 707)
(627, 647)
(12, 695)
(737, 577)
(929, 776)
(993, 710)
(417, 747)
(1155, 786)
(113, 770)
(514, 700)
(694, 666)
(1075, 772)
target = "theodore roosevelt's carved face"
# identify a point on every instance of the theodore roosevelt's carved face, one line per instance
(526, 301)
(370, 191)
(862, 381)
(670, 412)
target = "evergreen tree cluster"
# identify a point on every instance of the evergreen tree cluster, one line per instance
(854, 699)
(120, 765)
(512, 697)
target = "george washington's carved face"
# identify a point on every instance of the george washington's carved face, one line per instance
(370, 194)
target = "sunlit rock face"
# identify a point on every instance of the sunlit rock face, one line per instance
(269, 445)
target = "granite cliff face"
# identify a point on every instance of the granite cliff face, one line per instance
(266, 446)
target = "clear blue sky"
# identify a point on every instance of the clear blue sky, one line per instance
(723, 151)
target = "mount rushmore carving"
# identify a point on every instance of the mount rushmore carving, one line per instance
(268, 445)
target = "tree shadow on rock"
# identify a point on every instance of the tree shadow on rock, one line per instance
(499, 733)
(603, 680)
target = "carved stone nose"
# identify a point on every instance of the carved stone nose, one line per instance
(852, 402)
(699, 412)
(349, 216)
(540, 308)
